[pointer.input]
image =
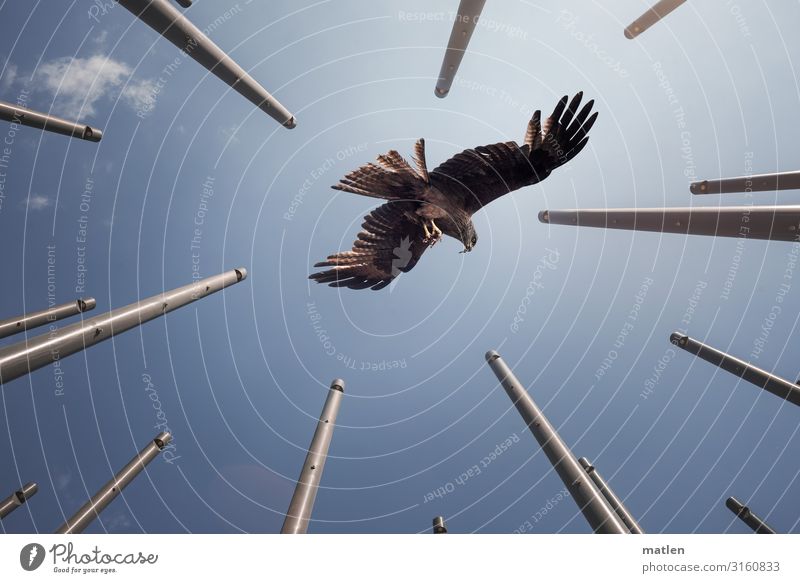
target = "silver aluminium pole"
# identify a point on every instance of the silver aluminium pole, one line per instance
(97, 503)
(761, 378)
(469, 13)
(22, 358)
(777, 223)
(17, 499)
(168, 21)
(50, 123)
(35, 319)
(595, 508)
(754, 183)
(302, 504)
(439, 527)
(652, 16)
(615, 502)
(746, 516)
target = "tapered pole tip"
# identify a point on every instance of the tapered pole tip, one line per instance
(92, 134)
(290, 123)
(699, 187)
(678, 339)
(338, 385)
(162, 439)
(84, 305)
(492, 355)
(241, 273)
(441, 93)
(28, 490)
(734, 505)
(544, 216)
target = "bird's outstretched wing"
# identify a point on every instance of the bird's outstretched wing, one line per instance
(483, 174)
(389, 244)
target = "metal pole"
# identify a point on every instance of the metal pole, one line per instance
(17, 499)
(761, 378)
(754, 183)
(35, 319)
(21, 358)
(305, 492)
(50, 123)
(619, 507)
(184, 3)
(750, 519)
(97, 503)
(649, 18)
(777, 223)
(595, 508)
(469, 13)
(167, 21)
(439, 527)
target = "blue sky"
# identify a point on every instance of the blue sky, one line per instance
(241, 376)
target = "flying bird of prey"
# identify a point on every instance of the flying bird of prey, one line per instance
(422, 206)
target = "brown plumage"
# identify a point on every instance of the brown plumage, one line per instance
(424, 205)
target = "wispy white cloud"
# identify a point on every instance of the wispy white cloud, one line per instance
(78, 84)
(38, 202)
(9, 76)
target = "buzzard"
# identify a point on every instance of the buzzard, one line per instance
(424, 205)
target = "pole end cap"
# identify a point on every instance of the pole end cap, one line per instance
(678, 339)
(162, 439)
(544, 216)
(290, 123)
(338, 385)
(241, 273)
(440, 92)
(492, 355)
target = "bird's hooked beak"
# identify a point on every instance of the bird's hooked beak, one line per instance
(467, 249)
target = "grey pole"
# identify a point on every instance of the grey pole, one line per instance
(35, 319)
(24, 357)
(184, 3)
(97, 503)
(439, 527)
(469, 12)
(778, 223)
(305, 492)
(761, 378)
(51, 123)
(754, 183)
(595, 508)
(649, 18)
(750, 519)
(167, 21)
(619, 507)
(17, 499)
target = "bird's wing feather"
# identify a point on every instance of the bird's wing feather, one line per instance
(480, 175)
(389, 244)
(392, 178)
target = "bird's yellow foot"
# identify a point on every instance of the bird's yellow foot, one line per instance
(432, 235)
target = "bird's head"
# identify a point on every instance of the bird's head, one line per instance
(468, 236)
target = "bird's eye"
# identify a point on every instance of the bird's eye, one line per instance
(474, 239)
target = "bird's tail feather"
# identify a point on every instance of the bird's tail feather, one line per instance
(392, 178)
